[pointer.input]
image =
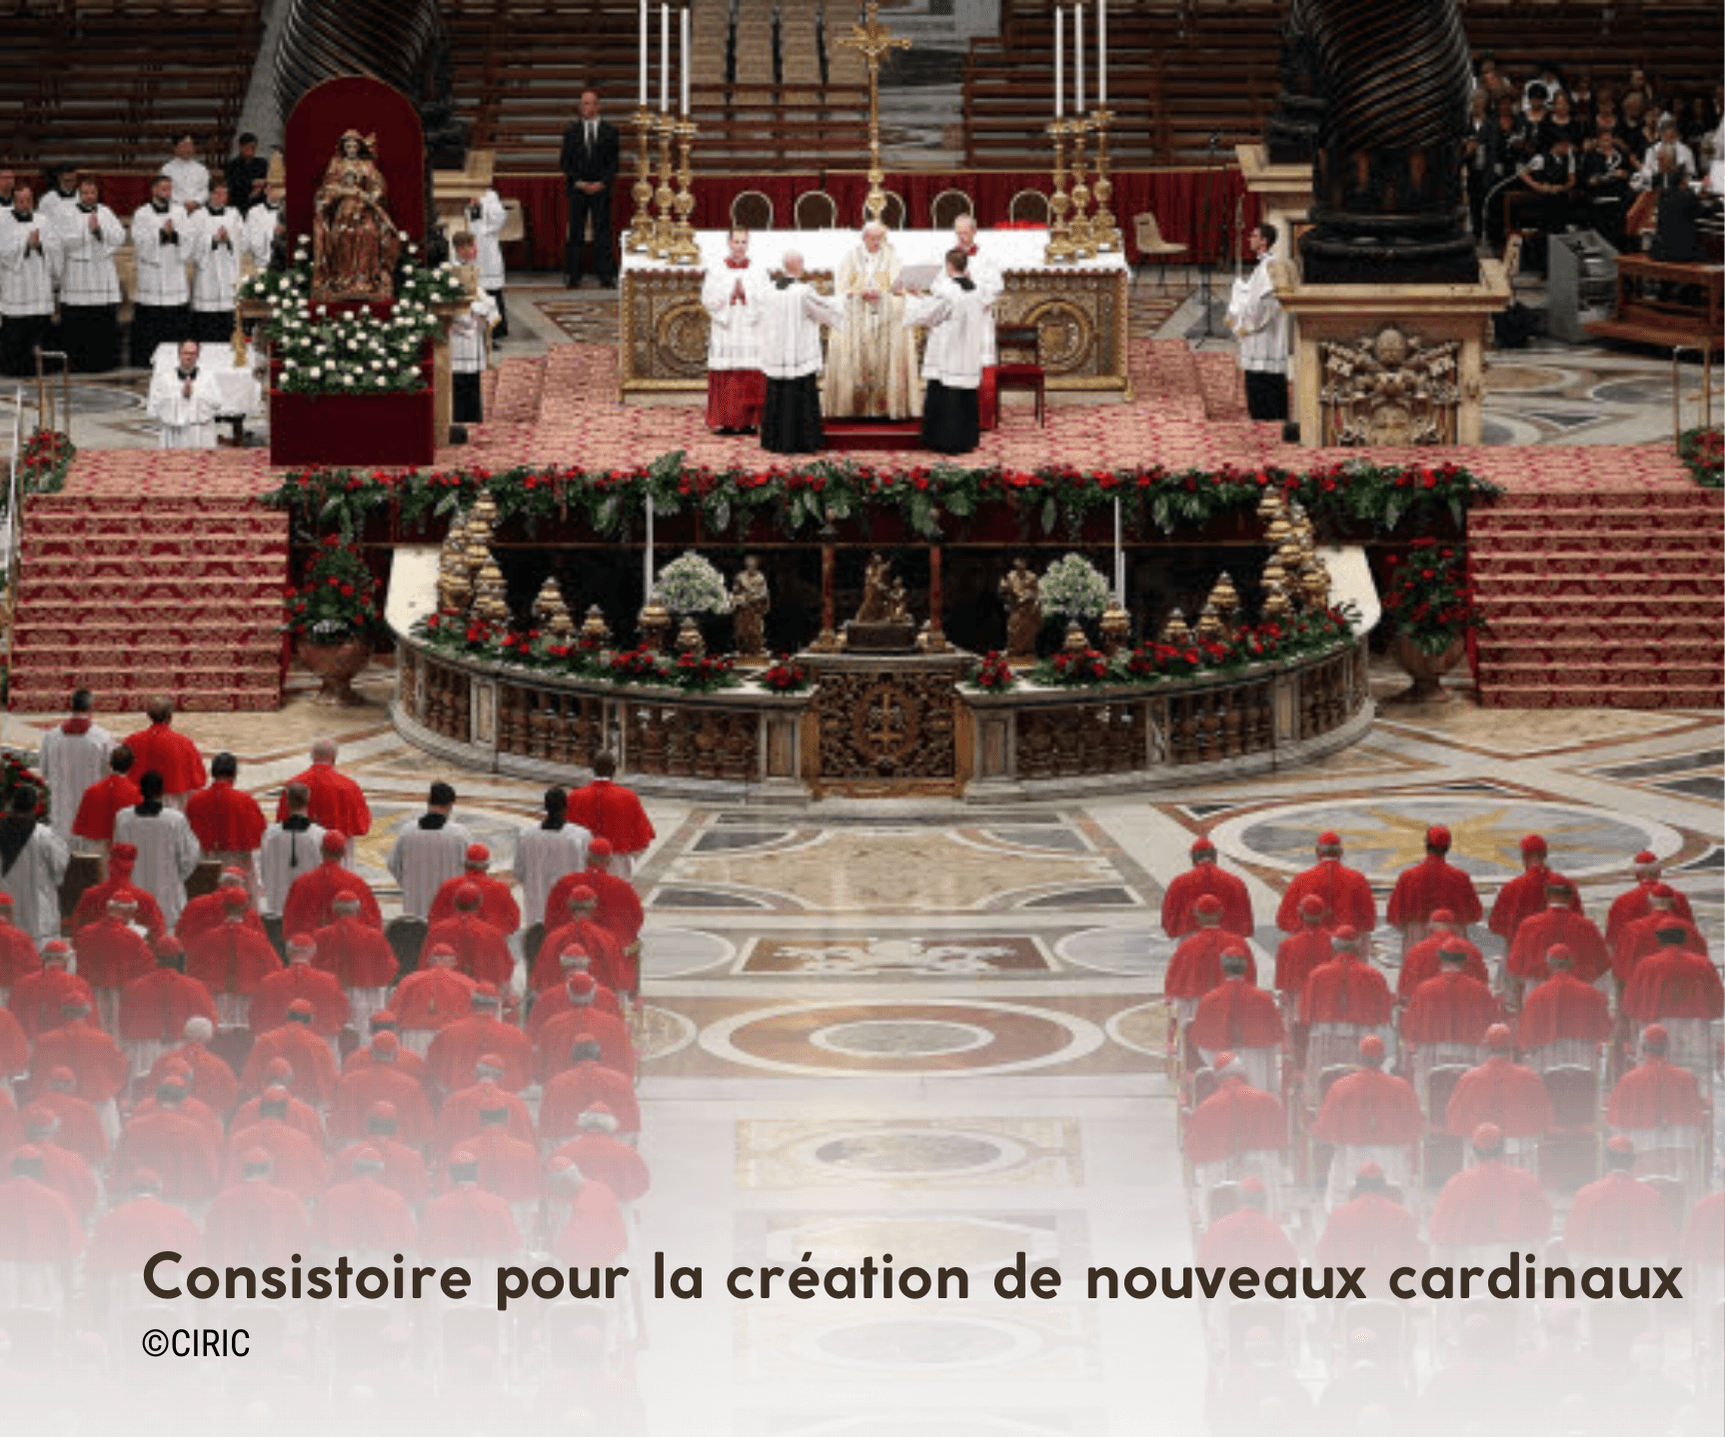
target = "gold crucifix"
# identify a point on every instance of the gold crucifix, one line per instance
(874, 42)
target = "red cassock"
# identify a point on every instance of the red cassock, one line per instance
(1421, 962)
(1641, 937)
(1235, 1119)
(1178, 918)
(133, 1233)
(1563, 1007)
(497, 906)
(1619, 1218)
(100, 1067)
(1491, 1204)
(1704, 1236)
(80, 1125)
(1522, 897)
(17, 954)
(255, 1224)
(1247, 1238)
(1626, 908)
(1196, 966)
(364, 1215)
(212, 1079)
(557, 1038)
(1368, 1108)
(14, 1046)
(594, 1234)
(1655, 1094)
(286, 986)
(299, 1115)
(405, 1061)
(1674, 983)
(38, 997)
(1374, 1232)
(111, 954)
(601, 1157)
(576, 1089)
(1451, 1008)
(93, 904)
(337, 802)
(101, 802)
(458, 1118)
(297, 1160)
(1346, 990)
(481, 951)
(403, 1168)
(607, 965)
(1431, 884)
(1236, 1015)
(553, 1001)
(432, 998)
(508, 1166)
(226, 819)
(206, 912)
(1298, 954)
(618, 906)
(468, 1225)
(70, 1176)
(609, 811)
(196, 1109)
(37, 1224)
(314, 1072)
(171, 754)
(358, 955)
(457, 1049)
(359, 1088)
(234, 958)
(11, 1125)
(311, 901)
(1346, 895)
(178, 1147)
(156, 1007)
(1500, 1091)
(1538, 933)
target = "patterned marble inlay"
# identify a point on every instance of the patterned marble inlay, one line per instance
(915, 1152)
(896, 954)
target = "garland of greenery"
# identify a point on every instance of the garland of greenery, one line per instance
(43, 463)
(1703, 450)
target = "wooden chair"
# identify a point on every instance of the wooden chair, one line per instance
(1151, 245)
(815, 210)
(1029, 207)
(891, 215)
(947, 207)
(1022, 375)
(752, 210)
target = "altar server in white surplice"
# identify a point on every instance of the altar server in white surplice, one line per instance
(88, 282)
(958, 317)
(1261, 325)
(486, 218)
(168, 850)
(265, 225)
(185, 401)
(29, 249)
(32, 863)
(74, 756)
(556, 848)
(792, 313)
(429, 852)
(162, 243)
(731, 294)
(218, 240)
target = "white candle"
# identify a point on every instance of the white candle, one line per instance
(643, 54)
(664, 59)
(1078, 60)
(684, 57)
(1059, 62)
(1102, 54)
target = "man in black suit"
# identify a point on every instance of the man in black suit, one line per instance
(589, 165)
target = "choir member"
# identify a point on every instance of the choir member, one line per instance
(469, 344)
(266, 227)
(218, 240)
(74, 755)
(185, 401)
(162, 244)
(188, 174)
(30, 257)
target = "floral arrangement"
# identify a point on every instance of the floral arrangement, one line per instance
(1428, 599)
(1073, 588)
(690, 585)
(702, 673)
(1076, 669)
(13, 772)
(994, 673)
(338, 600)
(42, 464)
(785, 676)
(693, 673)
(356, 351)
(1703, 450)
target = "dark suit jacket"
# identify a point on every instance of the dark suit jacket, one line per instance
(597, 162)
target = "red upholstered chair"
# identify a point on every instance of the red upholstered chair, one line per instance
(1019, 374)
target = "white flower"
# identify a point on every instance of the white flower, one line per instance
(290, 364)
(323, 309)
(315, 372)
(347, 379)
(413, 248)
(1074, 588)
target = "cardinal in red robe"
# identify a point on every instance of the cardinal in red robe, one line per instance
(1619, 1218)
(1563, 1009)
(18, 956)
(553, 1001)
(232, 961)
(212, 1079)
(555, 1039)
(1420, 962)
(226, 819)
(1452, 1007)
(593, 1234)
(1300, 952)
(311, 901)
(1237, 1017)
(1234, 1120)
(1638, 901)
(315, 1072)
(210, 910)
(1525, 894)
(1347, 989)
(1560, 922)
(1345, 892)
(295, 1112)
(1371, 1230)
(95, 1059)
(135, 1231)
(37, 1224)
(1654, 1095)
(596, 1151)
(403, 1168)
(619, 909)
(481, 949)
(432, 998)
(93, 902)
(1674, 982)
(1248, 1236)
(1370, 1108)
(300, 981)
(1196, 966)
(1205, 878)
(1491, 1203)
(110, 955)
(80, 1123)
(1640, 936)
(1431, 884)
(364, 1214)
(161, 749)
(456, 1048)
(468, 1224)
(356, 953)
(608, 810)
(496, 904)
(577, 1088)
(180, 1150)
(1500, 1091)
(337, 802)
(412, 1063)
(459, 1117)
(39, 1000)
(255, 1220)
(297, 1160)
(102, 801)
(14, 1046)
(508, 1165)
(381, 1081)
(62, 1169)
(1704, 1235)
(581, 929)
(155, 1008)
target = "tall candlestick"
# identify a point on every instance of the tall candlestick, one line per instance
(664, 59)
(643, 54)
(1078, 59)
(683, 55)
(1102, 53)
(1059, 62)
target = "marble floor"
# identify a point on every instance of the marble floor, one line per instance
(921, 1030)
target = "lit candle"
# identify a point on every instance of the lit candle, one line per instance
(1102, 54)
(684, 56)
(1078, 60)
(664, 59)
(643, 55)
(1059, 62)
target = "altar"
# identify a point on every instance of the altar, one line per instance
(1080, 309)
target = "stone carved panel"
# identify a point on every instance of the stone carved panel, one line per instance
(1390, 387)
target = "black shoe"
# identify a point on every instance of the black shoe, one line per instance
(573, 282)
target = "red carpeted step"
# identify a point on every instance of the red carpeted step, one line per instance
(1652, 693)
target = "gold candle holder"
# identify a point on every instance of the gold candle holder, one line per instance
(1104, 230)
(683, 249)
(664, 222)
(1059, 249)
(1083, 241)
(641, 226)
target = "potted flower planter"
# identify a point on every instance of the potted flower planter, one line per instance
(337, 665)
(1425, 669)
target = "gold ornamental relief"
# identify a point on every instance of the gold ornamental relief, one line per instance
(1390, 388)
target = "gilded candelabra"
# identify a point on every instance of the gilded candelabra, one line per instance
(1083, 241)
(664, 222)
(641, 227)
(683, 249)
(875, 43)
(1104, 230)
(1059, 249)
